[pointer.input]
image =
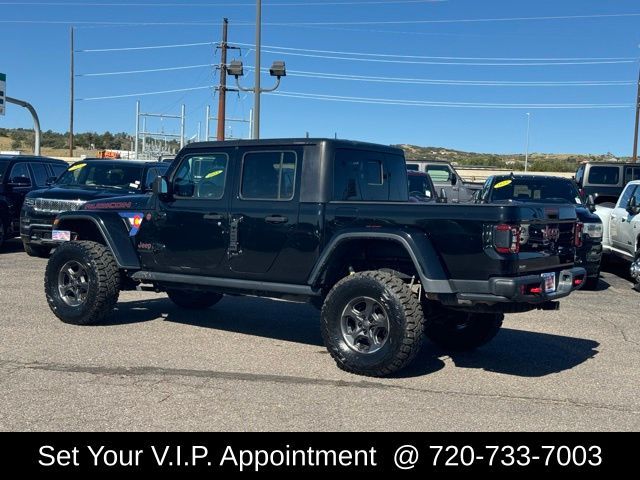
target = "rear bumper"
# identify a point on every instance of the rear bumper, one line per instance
(514, 289)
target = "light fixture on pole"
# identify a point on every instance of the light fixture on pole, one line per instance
(278, 70)
(526, 155)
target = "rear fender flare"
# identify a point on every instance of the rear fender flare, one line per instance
(419, 248)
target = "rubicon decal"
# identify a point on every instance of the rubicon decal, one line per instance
(107, 206)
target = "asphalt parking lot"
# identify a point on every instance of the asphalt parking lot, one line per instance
(254, 364)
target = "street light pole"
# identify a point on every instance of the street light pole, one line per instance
(255, 130)
(635, 136)
(526, 155)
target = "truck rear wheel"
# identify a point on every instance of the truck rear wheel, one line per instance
(193, 300)
(372, 324)
(82, 282)
(462, 331)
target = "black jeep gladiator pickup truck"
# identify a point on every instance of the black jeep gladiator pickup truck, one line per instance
(324, 221)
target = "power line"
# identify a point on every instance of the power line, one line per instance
(485, 64)
(423, 57)
(149, 70)
(294, 24)
(425, 81)
(152, 47)
(422, 103)
(208, 5)
(161, 92)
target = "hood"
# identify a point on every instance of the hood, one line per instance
(77, 193)
(585, 216)
(127, 202)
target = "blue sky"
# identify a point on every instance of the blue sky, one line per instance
(36, 60)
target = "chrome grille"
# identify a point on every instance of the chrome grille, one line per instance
(46, 205)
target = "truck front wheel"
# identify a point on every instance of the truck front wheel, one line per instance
(82, 282)
(193, 300)
(462, 331)
(372, 324)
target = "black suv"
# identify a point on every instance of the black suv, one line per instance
(90, 179)
(19, 174)
(324, 221)
(541, 189)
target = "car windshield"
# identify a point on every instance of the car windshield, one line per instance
(542, 190)
(118, 176)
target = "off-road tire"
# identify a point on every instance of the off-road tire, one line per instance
(3, 231)
(194, 300)
(38, 251)
(461, 331)
(404, 314)
(103, 282)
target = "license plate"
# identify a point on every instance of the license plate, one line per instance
(549, 282)
(61, 235)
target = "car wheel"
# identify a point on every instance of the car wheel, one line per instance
(634, 271)
(193, 300)
(39, 251)
(2, 232)
(82, 282)
(372, 324)
(462, 331)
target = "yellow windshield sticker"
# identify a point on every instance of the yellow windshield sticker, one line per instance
(503, 183)
(215, 173)
(77, 167)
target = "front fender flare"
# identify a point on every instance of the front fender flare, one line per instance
(114, 233)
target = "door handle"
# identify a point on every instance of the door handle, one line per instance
(212, 216)
(276, 219)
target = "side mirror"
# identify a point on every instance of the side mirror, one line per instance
(51, 180)
(443, 196)
(20, 182)
(633, 207)
(591, 204)
(454, 180)
(161, 188)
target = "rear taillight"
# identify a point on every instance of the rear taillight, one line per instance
(577, 234)
(506, 238)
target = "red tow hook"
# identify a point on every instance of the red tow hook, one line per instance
(577, 281)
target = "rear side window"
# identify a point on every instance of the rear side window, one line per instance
(40, 173)
(268, 175)
(414, 167)
(20, 175)
(369, 176)
(601, 175)
(631, 173)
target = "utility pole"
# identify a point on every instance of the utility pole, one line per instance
(526, 155)
(635, 137)
(255, 128)
(222, 90)
(71, 98)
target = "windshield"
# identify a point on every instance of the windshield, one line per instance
(419, 185)
(126, 177)
(549, 190)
